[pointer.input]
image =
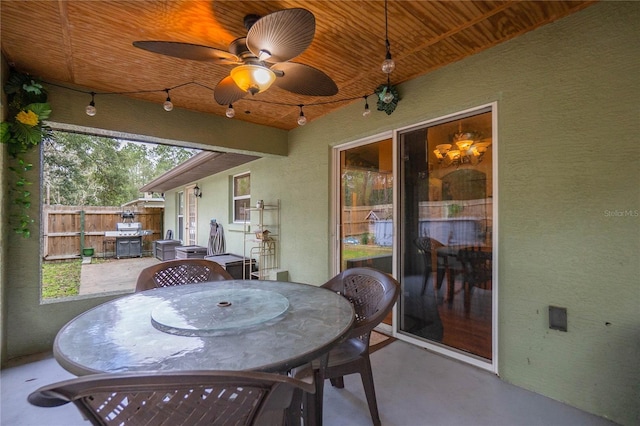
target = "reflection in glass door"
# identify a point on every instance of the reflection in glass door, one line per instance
(191, 214)
(446, 228)
(366, 206)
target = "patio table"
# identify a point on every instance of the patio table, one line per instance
(254, 325)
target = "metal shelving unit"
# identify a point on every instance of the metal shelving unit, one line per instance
(261, 239)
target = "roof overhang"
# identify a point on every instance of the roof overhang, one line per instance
(201, 165)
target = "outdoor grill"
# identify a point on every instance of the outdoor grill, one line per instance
(128, 235)
(125, 229)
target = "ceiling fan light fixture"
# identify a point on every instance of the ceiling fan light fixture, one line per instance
(253, 78)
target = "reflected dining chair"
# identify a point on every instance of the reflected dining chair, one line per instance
(428, 247)
(179, 272)
(372, 294)
(180, 398)
(477, 270)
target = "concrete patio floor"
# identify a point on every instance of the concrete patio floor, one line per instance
(112, 274)
(414, 387)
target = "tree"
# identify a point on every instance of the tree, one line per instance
(81, 169)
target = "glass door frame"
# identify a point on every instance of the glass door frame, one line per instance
(335, 228)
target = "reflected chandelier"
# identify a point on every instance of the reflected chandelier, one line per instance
(469, 149)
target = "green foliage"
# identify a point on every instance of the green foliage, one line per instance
(381, 91)
(91, 170)
(24, 129)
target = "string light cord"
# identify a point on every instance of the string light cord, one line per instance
(166, 90)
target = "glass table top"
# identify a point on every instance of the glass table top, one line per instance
(212, 311)
(268, 326)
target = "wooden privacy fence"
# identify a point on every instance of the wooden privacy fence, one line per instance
(69, 229)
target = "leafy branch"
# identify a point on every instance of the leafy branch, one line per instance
(23, 130)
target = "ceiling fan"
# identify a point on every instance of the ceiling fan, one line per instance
(261, 58)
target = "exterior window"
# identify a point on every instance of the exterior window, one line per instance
(241, 197)
(180, 209)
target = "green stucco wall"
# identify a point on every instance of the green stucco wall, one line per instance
(134, 117)
(568, 160)
(3, 223)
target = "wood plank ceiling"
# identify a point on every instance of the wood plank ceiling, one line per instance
(89, 44)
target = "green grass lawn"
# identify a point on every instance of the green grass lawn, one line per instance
(62, 279)
(355, 251)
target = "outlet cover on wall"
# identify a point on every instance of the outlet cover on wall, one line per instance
(557, 318)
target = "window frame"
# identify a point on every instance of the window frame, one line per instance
(236, 198)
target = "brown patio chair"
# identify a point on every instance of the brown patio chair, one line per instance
(179, 272)
(373, 294)
(180, 398)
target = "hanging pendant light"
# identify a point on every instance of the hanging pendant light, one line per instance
(388, 65)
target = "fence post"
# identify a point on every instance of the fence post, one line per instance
(81, 233)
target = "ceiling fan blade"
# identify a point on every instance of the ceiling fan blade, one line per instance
(283, 34)
(194, 52)
(227, 92)
(304, 80)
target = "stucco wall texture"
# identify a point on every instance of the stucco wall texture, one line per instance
(568, 163)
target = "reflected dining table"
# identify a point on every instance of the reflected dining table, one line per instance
(252, 325)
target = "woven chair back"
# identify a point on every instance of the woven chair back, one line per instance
(180, 272)
(177, 398)
(372, 294)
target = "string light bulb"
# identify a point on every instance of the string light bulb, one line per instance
(388, 65)
(91, 108)
(230, 113)
(302, 120)
(366, 111)
(168, 105)
(388, 97)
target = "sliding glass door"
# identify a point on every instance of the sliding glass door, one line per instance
(446, 234)
(420, 206)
